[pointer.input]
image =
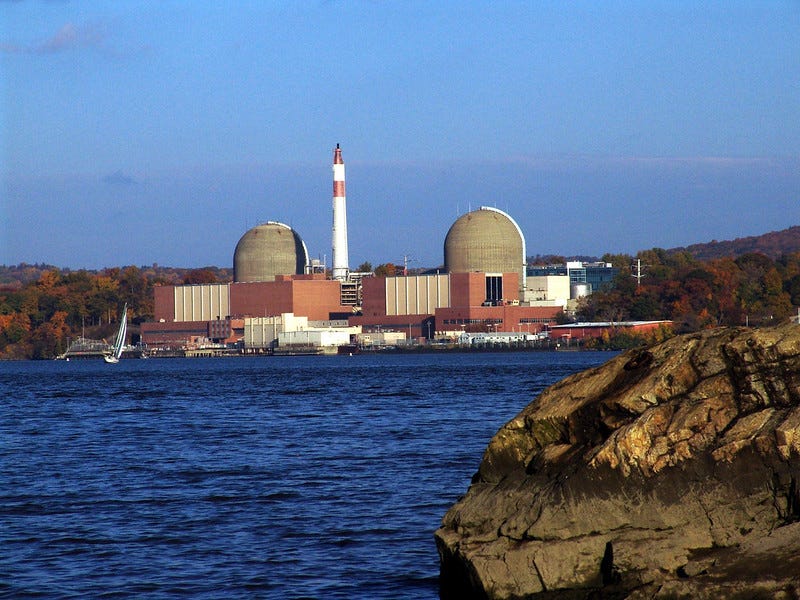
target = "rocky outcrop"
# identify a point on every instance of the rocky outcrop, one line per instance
(668, 472)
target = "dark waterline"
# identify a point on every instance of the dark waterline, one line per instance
(303, 477)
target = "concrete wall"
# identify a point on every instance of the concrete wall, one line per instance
(319, 338)
(263, 332)
(417, 294)
(548, 287)
(202, 302)
(384, 338)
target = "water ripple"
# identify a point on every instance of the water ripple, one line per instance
(275, 478)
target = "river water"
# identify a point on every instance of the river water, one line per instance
(278, 477)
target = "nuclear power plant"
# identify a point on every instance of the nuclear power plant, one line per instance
(280, 301)
(269, 250)
(485, 240)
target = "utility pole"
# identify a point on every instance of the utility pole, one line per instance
(638, 272)
(406, 259)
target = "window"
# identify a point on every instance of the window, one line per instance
(494, 288)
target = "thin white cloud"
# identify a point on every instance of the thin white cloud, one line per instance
(717, 161)
(597, 161)
(68, 37)
(561, 161)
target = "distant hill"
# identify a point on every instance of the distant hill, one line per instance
(773, 244)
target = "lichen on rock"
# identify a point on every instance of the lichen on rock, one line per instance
(655, 475)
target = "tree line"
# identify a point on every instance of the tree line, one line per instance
(43, 308)
(751, 289)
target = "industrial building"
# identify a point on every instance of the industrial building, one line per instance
(430, 306)
(292, 334)
(584, 278)
(548, 290)
(278, 295)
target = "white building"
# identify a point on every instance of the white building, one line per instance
(288, 329)
(320, 339)
(547, 290)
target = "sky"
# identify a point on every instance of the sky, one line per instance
(134, 133)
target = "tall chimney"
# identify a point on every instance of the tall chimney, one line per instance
(340, 258)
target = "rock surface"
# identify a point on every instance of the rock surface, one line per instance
(669, 472)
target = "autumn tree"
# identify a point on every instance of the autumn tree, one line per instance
(197, 276)
(50, 338)
(386, 270)
(761, 290)
(14, 330)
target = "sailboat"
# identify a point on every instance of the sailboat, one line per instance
(119, 341)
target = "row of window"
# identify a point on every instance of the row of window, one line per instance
(472, 321)
(597, 276)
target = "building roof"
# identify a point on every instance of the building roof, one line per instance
(589, 325)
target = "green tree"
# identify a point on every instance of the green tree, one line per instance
(792, 287)
(620, 261)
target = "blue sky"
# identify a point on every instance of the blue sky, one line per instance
(140, 133)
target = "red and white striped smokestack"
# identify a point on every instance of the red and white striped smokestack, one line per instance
(340, 257)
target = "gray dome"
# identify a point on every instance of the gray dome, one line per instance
(268, 250)
(486, 240)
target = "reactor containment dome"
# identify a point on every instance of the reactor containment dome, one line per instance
(268, 250)
(486, 240)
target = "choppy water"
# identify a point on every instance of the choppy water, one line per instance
(290, 477)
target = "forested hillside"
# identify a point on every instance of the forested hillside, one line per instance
(751, 289)
(774, 245)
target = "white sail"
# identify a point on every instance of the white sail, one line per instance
(119, 341)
